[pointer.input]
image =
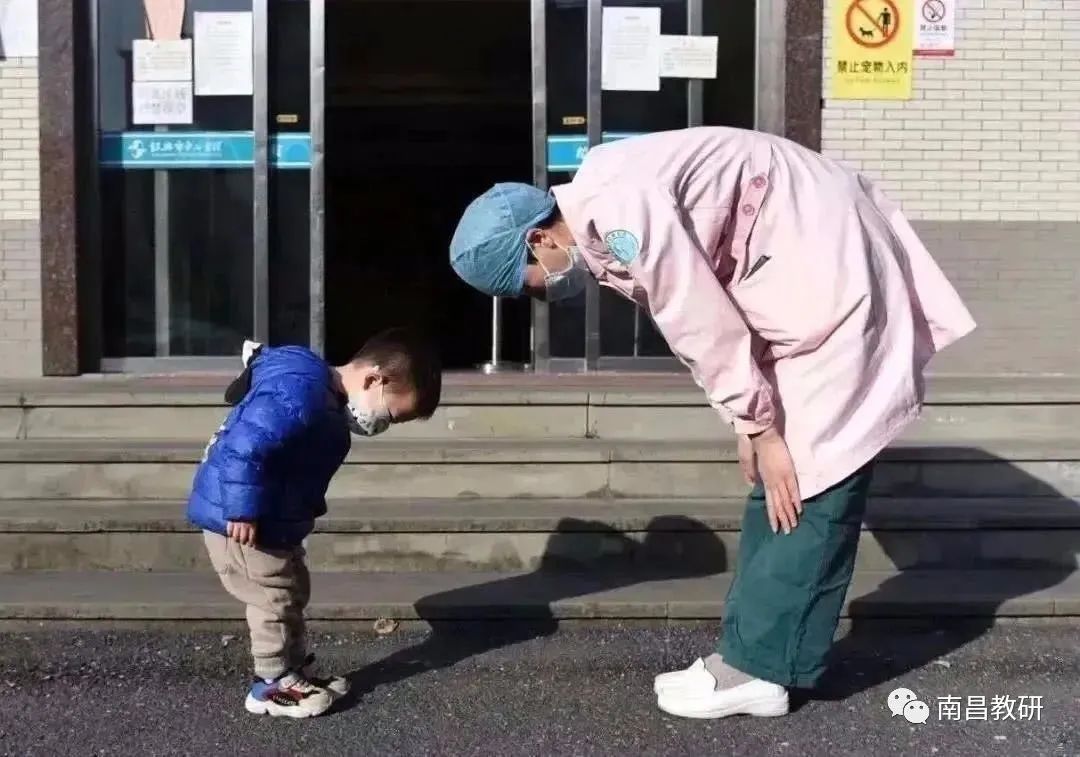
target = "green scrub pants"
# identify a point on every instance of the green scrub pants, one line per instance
(784, 603)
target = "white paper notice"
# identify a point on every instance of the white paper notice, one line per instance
(688, 57)
(935, 27)
(154, 102)
(18, 29)
(224, 58)
(630, 53)
(168, 60)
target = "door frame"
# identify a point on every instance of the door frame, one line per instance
(771, 57)
(770, 61)
(260, 217)
(317, 177)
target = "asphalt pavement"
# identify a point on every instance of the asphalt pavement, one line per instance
(498, 689)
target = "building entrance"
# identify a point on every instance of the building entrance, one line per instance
(311, 199)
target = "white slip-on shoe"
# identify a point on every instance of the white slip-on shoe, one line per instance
(706, 702)
(693, 678)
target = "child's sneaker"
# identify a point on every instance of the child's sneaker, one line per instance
(336, 685)
(291, 696)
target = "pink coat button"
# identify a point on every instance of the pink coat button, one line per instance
(748, 209)
(758, 182)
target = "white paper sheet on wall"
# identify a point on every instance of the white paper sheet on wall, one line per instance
(155, 102)
(683, 57)
(18, 29)
(630, 50)
(154, 60)
(224, 55)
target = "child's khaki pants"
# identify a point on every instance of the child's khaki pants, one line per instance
(275, 586)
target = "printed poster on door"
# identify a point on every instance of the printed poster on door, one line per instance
(872, 49)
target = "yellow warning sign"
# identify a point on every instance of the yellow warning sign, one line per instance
(872, 44)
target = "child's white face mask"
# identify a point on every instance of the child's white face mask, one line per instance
(367, 417)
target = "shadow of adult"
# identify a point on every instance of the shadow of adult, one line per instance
(970, 540)
(581, 558)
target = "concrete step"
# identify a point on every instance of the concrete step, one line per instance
(536, 407)
(503, 468)
(539, 596)
(486, 535)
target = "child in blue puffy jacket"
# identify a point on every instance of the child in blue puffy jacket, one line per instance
(263, 480)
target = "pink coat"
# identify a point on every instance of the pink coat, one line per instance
(797, 294)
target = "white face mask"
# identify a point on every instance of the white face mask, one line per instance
(569, 282)
(365, 417)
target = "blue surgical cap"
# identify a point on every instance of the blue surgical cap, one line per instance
(488, 249)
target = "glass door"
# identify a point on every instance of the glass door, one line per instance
(572, 111)
(205, 154)
(295, 245)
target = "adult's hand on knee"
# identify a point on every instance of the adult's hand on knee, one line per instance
(777, 471)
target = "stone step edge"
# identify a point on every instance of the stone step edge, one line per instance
(534, 596)
(573, 451)
(72, 516)
(657, 390)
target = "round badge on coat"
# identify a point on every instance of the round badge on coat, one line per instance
(623, 245)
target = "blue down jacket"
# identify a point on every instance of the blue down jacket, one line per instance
(272, 460)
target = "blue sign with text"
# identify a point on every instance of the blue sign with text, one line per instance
(566, 151)
(155, 150)
(134, 150)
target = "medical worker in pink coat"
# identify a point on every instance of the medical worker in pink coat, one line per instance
(806, 308)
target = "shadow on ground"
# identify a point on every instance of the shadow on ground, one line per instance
(532, 595)
(907, 541)
(1053, 525)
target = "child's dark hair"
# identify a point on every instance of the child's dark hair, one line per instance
(409, 360)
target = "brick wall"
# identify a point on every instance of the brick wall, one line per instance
(1020, 279)
(20, 211)
(991, 134)
(985, 158)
